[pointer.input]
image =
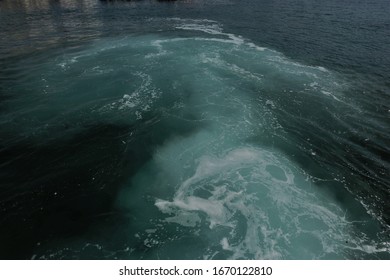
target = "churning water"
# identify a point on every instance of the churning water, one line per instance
(170, 134)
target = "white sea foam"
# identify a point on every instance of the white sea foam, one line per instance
(240, 184)
(140, 100)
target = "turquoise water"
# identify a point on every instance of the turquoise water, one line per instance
(147, 130)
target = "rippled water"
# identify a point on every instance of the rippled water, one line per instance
(194, 130)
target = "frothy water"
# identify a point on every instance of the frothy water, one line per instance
(221, 181)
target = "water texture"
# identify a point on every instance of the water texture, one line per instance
(194, 129)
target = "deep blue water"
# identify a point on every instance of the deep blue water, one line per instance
(217, 129)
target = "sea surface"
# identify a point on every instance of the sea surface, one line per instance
(195, 129)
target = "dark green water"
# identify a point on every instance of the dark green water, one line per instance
(194, 129)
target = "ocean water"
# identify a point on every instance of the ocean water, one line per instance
(217, 129)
